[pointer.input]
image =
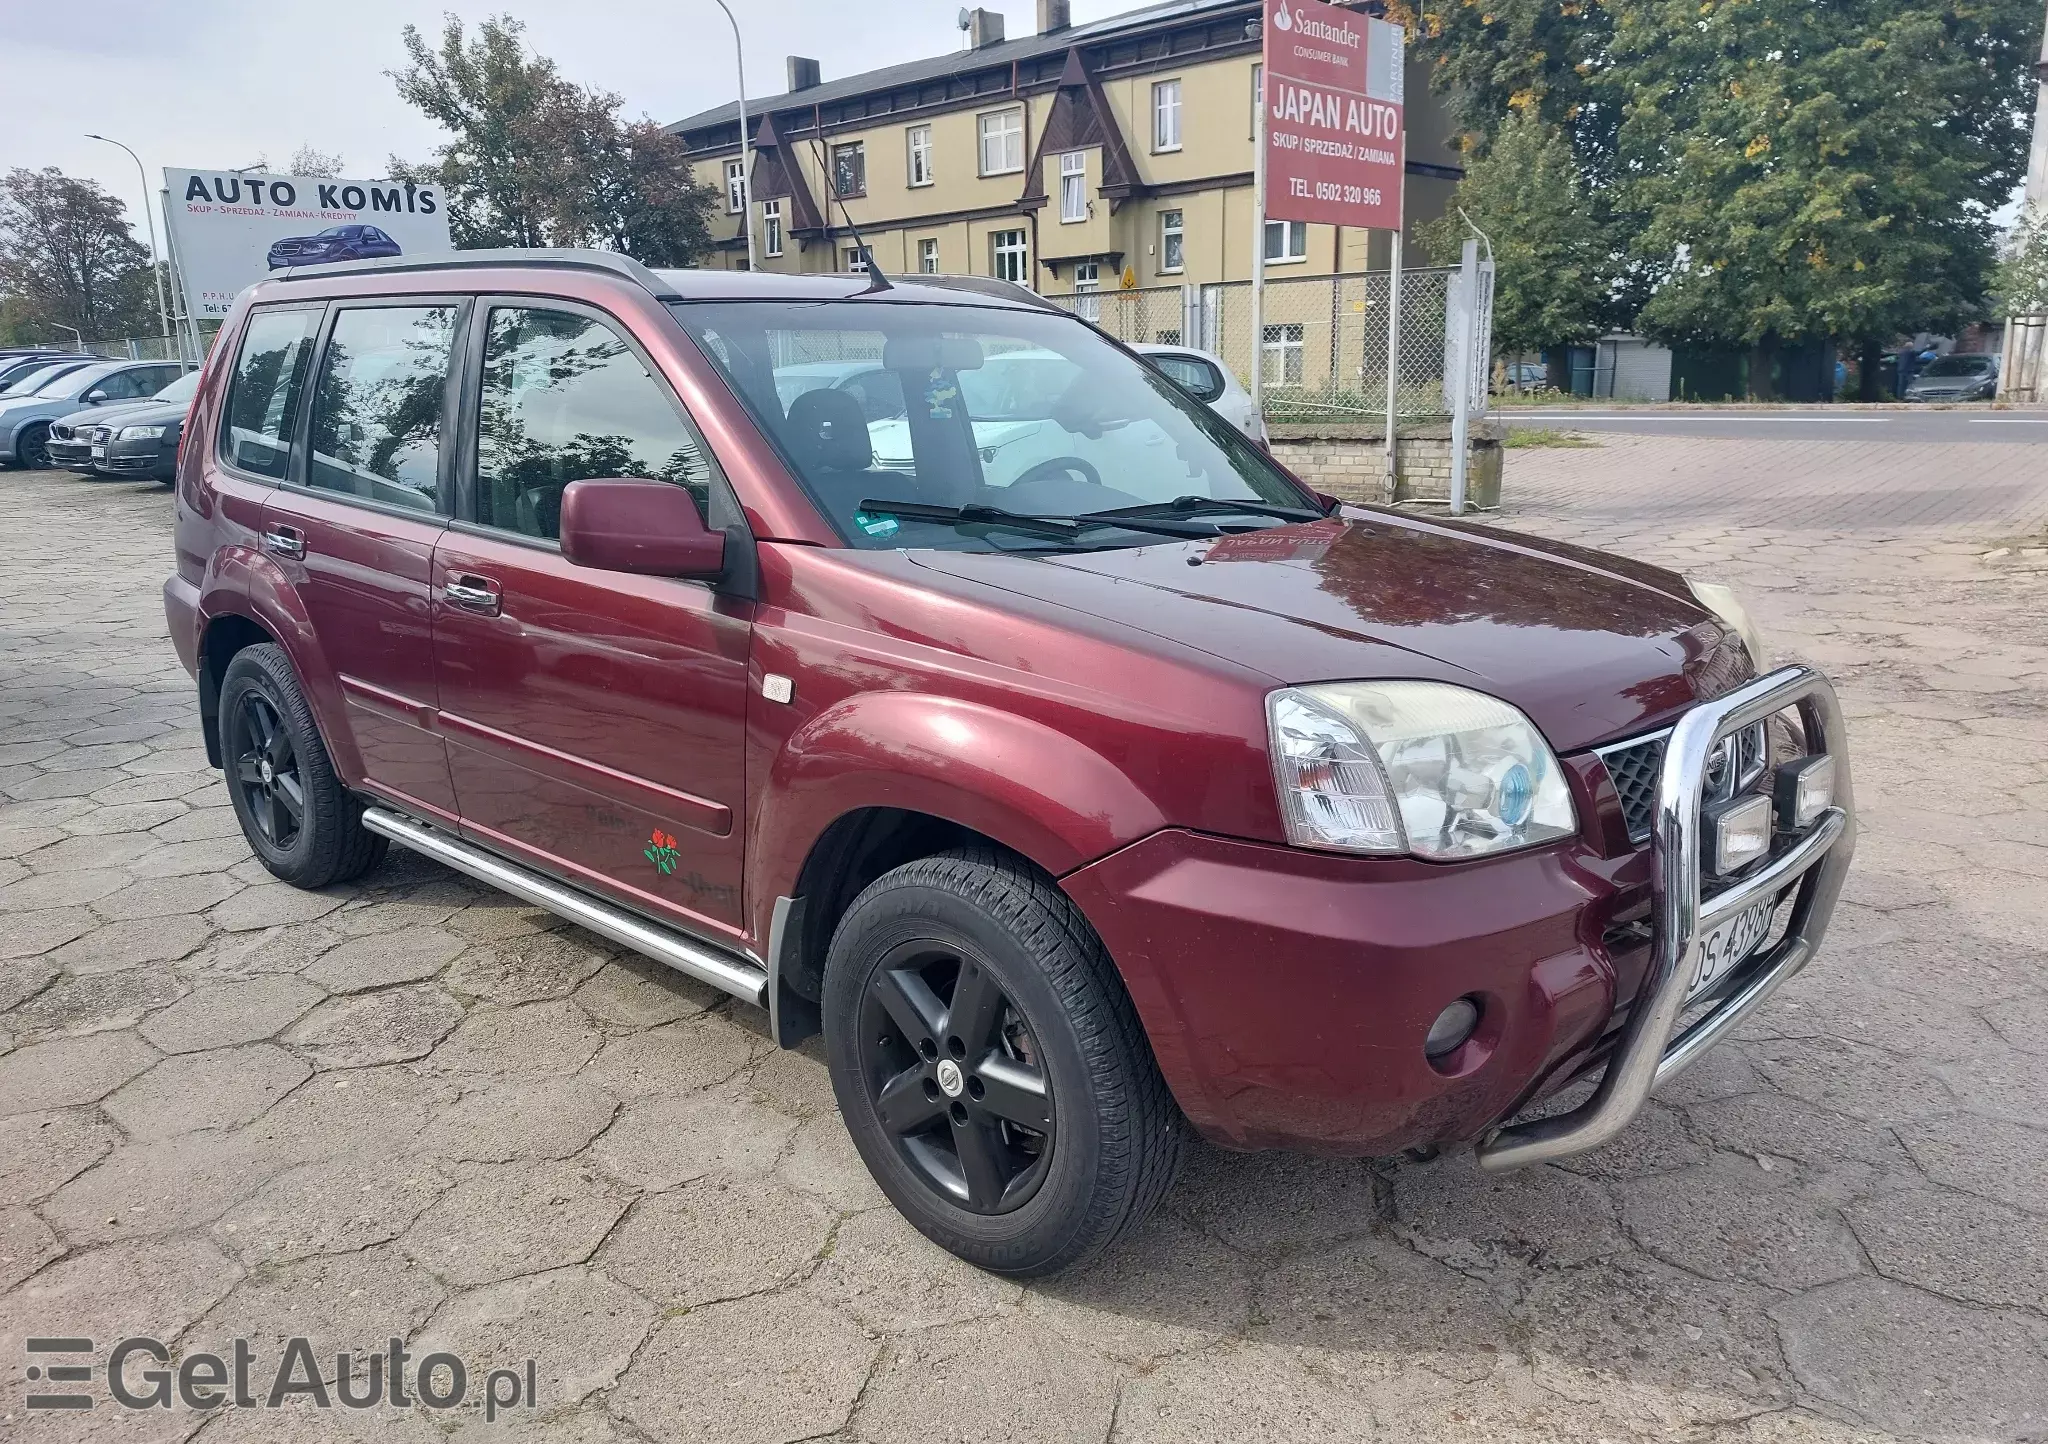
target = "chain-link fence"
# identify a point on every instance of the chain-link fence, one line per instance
(1156, 314)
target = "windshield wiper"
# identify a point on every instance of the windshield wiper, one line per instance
(1065, 528)
(1209, 506)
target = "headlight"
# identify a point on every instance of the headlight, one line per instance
(1723, 603)
(138, 433)
(1417, 767)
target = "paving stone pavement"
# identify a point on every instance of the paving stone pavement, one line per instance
(414, 1107)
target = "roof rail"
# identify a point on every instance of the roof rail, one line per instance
(987, 286)
(559, 257)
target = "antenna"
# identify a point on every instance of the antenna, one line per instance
(877, 282)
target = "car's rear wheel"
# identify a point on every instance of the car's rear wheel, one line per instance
(32, 447)
(990, 1067)
(301, 823)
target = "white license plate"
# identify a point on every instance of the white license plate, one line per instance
(1728, 946)
(99, 453)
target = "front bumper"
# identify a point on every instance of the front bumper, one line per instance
(1815, 862)
(1287, 993)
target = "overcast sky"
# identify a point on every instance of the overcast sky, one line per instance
(215, 83)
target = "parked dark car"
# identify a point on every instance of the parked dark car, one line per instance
(336, 243)
(138, 439)
(1962, 377)
(26, 414)
(1149, 789)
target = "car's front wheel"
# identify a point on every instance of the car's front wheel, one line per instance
(32, 447)
(299, 820)
(990, 1067)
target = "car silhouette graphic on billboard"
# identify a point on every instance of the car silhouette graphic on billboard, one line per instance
(336, 243)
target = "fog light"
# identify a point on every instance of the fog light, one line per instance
(1805, 789)
(1738, 833)
(1453, 1026)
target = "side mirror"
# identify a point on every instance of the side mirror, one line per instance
(652, 528)
(95, 396)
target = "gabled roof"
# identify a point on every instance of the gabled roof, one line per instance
(1080, 117)
(1002, 53)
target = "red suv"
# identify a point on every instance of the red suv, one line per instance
(1008, 717)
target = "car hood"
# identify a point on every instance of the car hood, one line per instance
(122, 414)
(1591, 647)
(146, 413)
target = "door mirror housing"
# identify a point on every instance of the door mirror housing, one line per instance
(96, 396)
(631, 524)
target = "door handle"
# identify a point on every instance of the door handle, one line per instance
(475, 594)
(285, 541)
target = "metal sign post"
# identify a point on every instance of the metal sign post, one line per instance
(1259, 239)
(1394, 335)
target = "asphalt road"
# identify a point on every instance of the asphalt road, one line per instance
(1832, 423)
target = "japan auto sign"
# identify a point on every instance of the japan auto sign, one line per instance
(1334, 112)
(229, 229)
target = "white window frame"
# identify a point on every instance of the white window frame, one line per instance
(1014, 246)
(1087, 285)
(735, 187)
(1165, 116)
(1177, 229)
(1284, 343)
(928, 256)
(1073, 186)
(919, 141)
(856, 259)
(771, 228)
(1005, 128)
(1289, 233)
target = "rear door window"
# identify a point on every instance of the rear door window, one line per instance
(263, 395)
(376, 430)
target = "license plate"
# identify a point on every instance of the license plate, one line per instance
(99, 453)
(1729, 945)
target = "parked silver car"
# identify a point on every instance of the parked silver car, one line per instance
(25, 417)
(1960, 377)
(1203, 375)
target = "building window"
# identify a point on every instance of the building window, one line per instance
(850, 170)
(1282, 355)
(1088, 281)
(1286, 241)
(856, 258)
(1172, 254)
(1002, 142)
(1166, 115)
(735, 187)
(1073, 187)
(920, 155)
(1010, 258)
(771, 228)
(928, 256)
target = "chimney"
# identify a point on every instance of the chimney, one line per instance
(1054, 16)
(803, 73)
(984, 28)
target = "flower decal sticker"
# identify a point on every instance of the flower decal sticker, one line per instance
(661, 851)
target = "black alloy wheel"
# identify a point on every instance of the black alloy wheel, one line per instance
(267, 773)
(956, 1077)
(32, 449)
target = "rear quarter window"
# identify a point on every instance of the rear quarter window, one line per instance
(264, 391)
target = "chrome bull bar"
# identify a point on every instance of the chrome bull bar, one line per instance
(1816, 862)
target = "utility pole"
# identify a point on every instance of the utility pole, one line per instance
(163, 309)
(2019, 368)
(746, 142)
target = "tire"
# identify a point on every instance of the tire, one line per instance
(301, 823)
(31, 448)
(1060, 1037)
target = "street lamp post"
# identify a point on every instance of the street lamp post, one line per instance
(77, 336)
(163, 309)
(746, 142)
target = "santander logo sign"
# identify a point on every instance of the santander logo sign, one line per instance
(1287, 21)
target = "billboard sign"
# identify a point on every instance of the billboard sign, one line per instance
(229, 230)
(1334, 115)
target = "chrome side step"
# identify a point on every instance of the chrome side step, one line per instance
(702, 961)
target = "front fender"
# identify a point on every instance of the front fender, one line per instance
(1033, 789)
(241, 581)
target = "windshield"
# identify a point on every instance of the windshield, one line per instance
(183, 389)
(337, 233)
(1958, 366)
(969, 406)
(35, 381)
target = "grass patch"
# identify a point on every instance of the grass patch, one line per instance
(1521, 436)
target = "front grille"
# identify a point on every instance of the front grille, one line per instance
(1636, 769)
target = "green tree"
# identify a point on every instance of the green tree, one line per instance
(68, 261)
(1553, 254)
(1503, 58)
(1810, 171)
(2020, 285)
(536, 160)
